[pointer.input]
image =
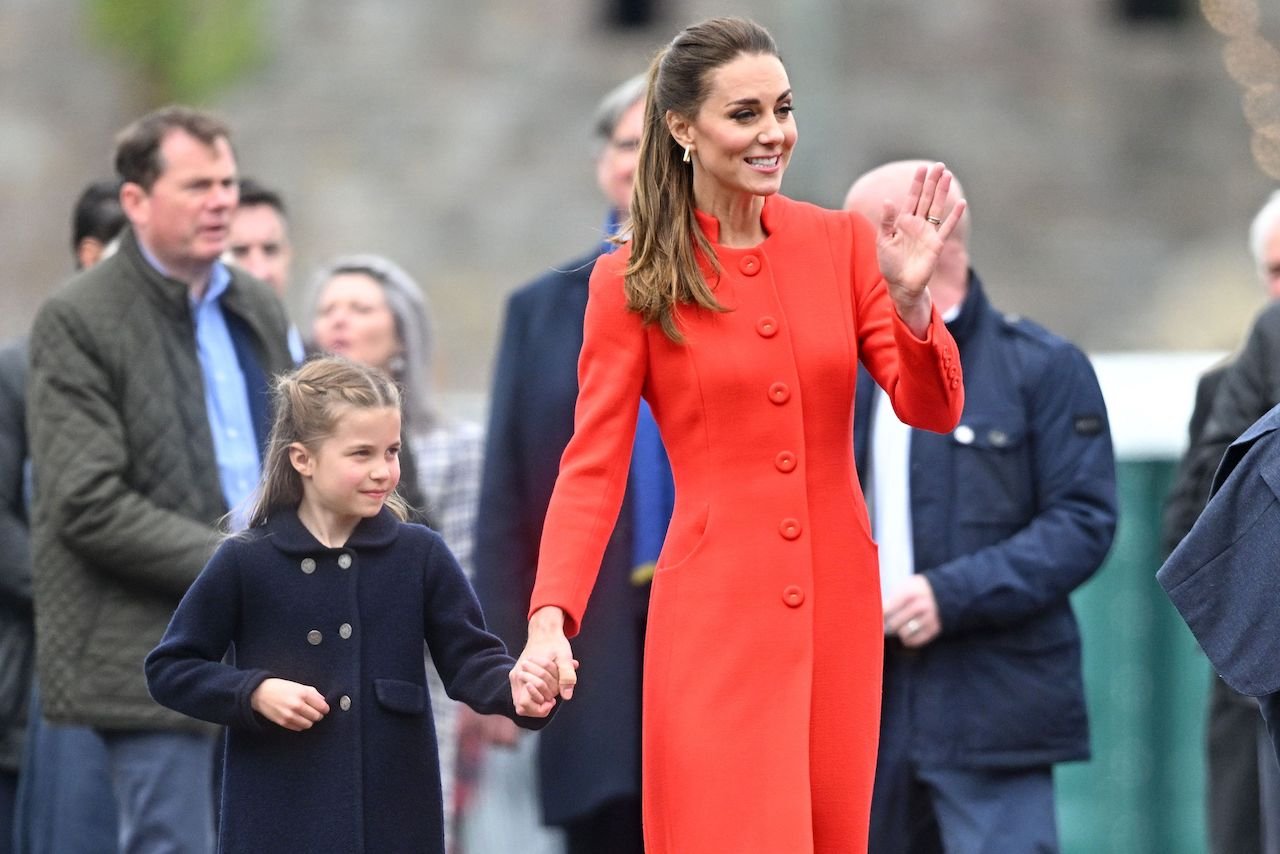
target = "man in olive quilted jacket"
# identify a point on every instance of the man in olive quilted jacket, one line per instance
(147, 410)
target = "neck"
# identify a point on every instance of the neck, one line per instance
(737, 213)
(195, 275)
(330, 529)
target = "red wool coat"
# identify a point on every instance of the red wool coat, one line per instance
(763, 656)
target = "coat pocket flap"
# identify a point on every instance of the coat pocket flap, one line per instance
(408, 698)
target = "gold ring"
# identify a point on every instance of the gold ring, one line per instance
(933, 220)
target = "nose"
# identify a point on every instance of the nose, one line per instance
(771, 133)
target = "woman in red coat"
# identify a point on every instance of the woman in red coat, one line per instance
(739, 315)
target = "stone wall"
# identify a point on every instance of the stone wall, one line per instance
(1107, 165)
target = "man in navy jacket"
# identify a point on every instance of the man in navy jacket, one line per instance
(983, 534)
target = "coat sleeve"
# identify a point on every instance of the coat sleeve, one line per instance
(506, 545)
(593, 471)
(1073, 467)
(473, 663)
(186, 671)
(15, 535)
(1221, 576)
(922, 377)
(80, 459)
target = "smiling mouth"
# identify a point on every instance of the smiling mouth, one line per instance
(765, 162)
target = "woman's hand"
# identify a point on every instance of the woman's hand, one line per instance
(546, 666)
(910, 240)
(290, 704)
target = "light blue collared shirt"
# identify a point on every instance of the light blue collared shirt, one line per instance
(226, 397)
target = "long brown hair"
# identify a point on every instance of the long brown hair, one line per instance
(663, 271)
(308, 403)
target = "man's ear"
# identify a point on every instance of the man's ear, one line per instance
(133, 200)
(301, 459)
(681, 129)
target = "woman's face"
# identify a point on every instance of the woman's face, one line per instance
(744, 131)
(353, 320)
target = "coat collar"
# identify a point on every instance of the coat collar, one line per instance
(974, 307)
(287, 533)
(770, 218)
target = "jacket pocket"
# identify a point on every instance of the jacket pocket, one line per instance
(396, 695)
(993, 469)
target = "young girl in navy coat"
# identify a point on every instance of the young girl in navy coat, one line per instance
(304, 636)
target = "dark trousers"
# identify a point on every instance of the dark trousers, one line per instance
(1232, 796)
(612, 829)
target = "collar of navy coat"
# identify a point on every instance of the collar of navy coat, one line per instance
(973, 307)
(287, 533)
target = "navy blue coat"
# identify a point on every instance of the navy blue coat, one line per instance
(349, 621)
(1222, 577)
(1011, 511)
(592, 754)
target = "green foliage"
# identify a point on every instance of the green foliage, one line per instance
(184, 50)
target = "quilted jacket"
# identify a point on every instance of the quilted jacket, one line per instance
(127, 494)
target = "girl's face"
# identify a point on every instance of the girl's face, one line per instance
(349, 475)
(744, 132)
(353, 320)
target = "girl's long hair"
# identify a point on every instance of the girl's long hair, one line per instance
(666, 241)
(308, 403)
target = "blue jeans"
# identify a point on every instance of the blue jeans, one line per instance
(963, 812)
(65, 804)
(164, 790)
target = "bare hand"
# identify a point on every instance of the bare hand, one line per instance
(911, 612)
(910, 240)
(534, 686)
(290, 704)
(549, 649)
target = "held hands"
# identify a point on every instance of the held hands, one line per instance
(910, 240)
(289, 704)
(911, 612)
(546, 667)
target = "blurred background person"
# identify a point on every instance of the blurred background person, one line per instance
(64, 799)
(147, 413)
(589, 762)
(1242, 778)
(368, 309)
(983, 533)
(260, 244)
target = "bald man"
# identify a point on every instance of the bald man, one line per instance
(983, 534)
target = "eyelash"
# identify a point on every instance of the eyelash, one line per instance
(747, 115)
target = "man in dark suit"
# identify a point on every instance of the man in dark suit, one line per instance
(590, 761)
(1237, 785)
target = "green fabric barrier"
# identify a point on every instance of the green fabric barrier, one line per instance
(1147, 685)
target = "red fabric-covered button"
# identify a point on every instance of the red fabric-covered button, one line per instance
(789, 528)
(785, 461)
(793, 596)
(779, 393)
(767, 327)
(749, 265)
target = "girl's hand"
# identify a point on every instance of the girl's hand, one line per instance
(289, 704)
(909, 242)
(534, 686)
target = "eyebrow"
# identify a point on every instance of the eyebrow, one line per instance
(750, 102)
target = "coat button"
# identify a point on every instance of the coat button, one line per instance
(749, 265)
(344, 561)
(314, 637)
(779, 393)
(308, 565)
(789, 528)
(793, 596)
(998, 438)
(344, 630)
(785, 461)
(964, 434)
(767, 327)
(344, 703)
